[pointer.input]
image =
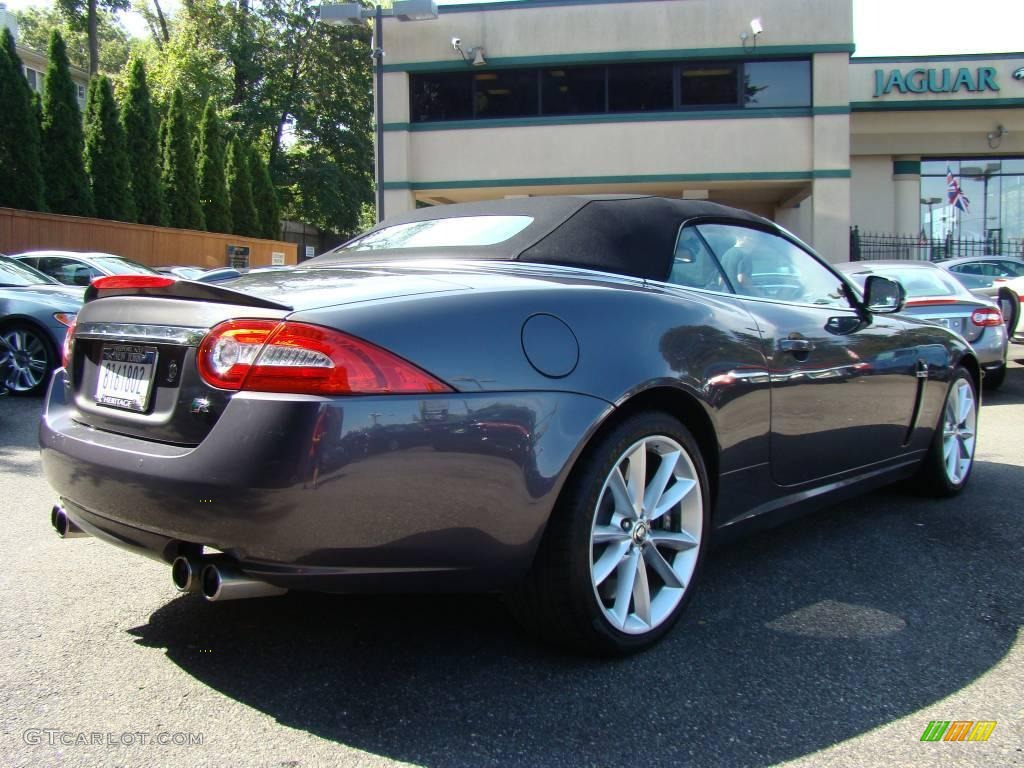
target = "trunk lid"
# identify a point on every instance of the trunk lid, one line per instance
(133, 368)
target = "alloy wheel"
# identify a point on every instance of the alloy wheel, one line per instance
(23, 364)
(959, 428)
(646, 534)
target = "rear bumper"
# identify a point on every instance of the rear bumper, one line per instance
(334, 494)
(990, 347)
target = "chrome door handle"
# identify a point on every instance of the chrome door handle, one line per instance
(796, 345)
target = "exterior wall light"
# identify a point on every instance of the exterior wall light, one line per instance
(474, 56)
(995, 138)
(756, 28)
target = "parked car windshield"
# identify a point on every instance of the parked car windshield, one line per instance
(122, 266)
(14, 273)
(442, 233)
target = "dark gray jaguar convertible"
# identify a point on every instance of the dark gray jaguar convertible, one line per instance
(562, 399)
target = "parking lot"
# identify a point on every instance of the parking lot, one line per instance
(830, 641)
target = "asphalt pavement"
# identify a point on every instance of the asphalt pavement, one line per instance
(830, 641)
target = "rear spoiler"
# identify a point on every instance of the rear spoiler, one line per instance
(170, 288)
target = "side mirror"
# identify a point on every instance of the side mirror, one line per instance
(883, 296)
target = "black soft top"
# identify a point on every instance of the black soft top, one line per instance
(623, 234)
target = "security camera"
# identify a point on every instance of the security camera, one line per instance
(457, 43)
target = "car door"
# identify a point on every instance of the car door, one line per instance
(844, 388)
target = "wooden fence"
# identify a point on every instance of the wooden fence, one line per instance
(156, 246)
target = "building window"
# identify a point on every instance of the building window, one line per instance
(639, 87)
(995, 189)
(505, 93)
(615, 88)
(776, 84)
(709, 85)
(573, 90)
(34, 80)
(443, 96)
(81, 93)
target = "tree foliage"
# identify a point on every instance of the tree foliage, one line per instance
(243, 210)
(264, 197)
(64, 178)
(213, 191)
(293, 87)
(84, 14)
(36, 23)
(144, 159)
(181, 191)
(106, 156)
(21, 175)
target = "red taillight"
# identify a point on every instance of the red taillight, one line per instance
(131, 281)
(69, 344)
(270, 356)
(986, 316)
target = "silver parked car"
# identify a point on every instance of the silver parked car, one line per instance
(936, 296)
(35, 313)
(999, 278)
(74, 268)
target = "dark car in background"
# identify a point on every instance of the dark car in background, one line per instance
(562, 399)
(35, 313)
(936, 296)
(74, 268)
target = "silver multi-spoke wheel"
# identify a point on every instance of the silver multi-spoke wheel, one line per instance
(959, 427)
(646, 534)
(24, 361)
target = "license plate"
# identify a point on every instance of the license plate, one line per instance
(953, 323)
(126, 376)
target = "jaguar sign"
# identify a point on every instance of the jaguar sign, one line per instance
(946, 80)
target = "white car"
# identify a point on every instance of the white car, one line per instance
(998, 278)
(75, 268)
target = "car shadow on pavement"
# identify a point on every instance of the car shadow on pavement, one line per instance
(797, 639)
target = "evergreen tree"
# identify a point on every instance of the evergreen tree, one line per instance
(243, 211)
(213, 190)
(264, 197)
(106, 158)
(21, 175)
(137, 118)
(64, 179)
(181, 192)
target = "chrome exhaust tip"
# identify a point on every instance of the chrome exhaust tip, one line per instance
(63, 524)
(185, 573)
(226, 582)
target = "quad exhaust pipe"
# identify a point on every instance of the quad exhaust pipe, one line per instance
(218, 579)
(63, 524)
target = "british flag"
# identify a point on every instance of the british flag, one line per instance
(954, 194)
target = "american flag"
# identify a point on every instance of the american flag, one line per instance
(954, 194)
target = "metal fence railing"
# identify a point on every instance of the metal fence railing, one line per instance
(872, 246)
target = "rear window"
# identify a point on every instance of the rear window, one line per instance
(442, 233)
(121, 266)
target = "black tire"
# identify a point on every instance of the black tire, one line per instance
(559, 601)
(1009, 304)
(934, 478)
(26, 336)
(993, 379)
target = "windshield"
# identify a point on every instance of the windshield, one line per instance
(441, 233)
(14, 273)
(120, 266)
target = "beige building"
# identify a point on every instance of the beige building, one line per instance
(35, 63)
(685, 98)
